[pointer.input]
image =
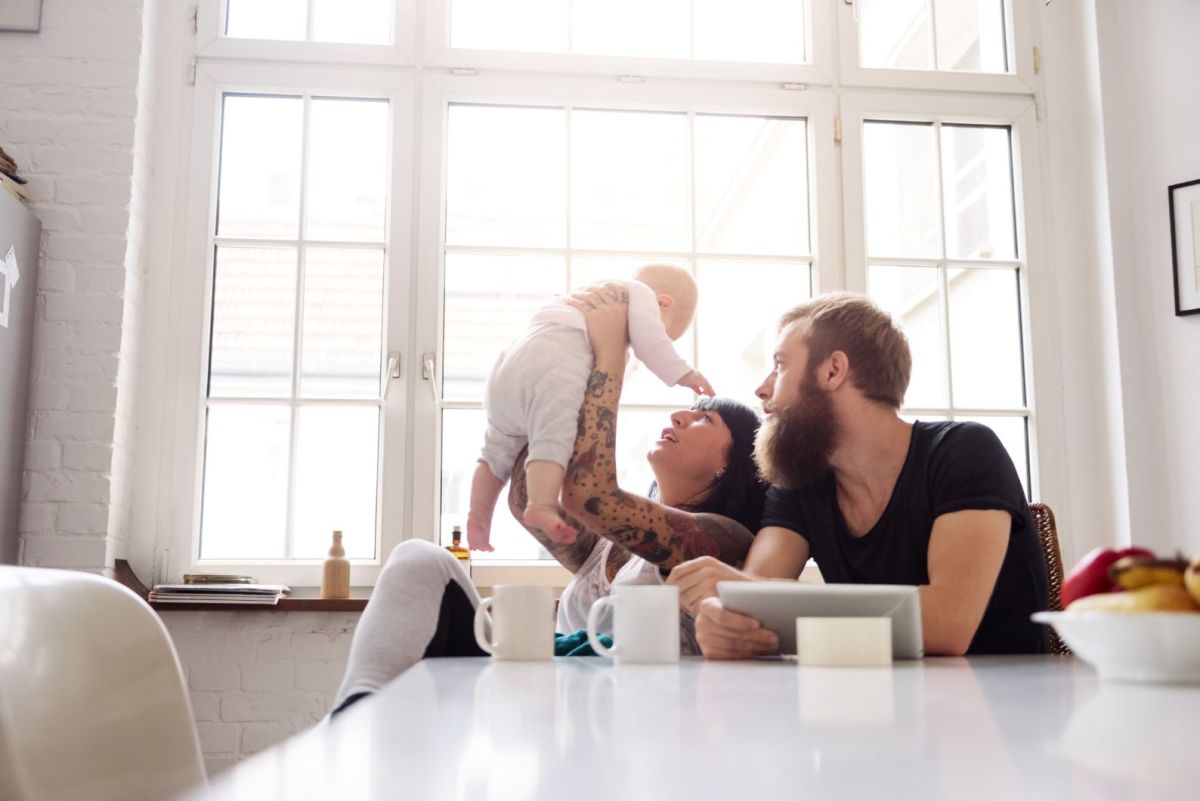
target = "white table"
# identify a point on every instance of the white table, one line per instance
(580, 728)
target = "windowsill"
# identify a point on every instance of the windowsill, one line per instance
(485, 576)
(300, 599)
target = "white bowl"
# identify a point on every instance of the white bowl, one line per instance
(1159, 647)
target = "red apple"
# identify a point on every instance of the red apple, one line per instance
(1090, 575)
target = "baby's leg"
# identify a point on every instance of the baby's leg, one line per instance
(544, 480)
(485, 491)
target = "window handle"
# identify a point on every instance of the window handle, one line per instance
(853, 5)
(429, 373)
(393, 372)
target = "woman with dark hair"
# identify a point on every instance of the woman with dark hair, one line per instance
(706, 501)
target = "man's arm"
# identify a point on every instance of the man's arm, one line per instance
(966, 550)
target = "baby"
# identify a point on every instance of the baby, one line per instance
(535, 390)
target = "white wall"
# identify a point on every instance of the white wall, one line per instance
(68, 104)
(1149, 65)
(257, 678)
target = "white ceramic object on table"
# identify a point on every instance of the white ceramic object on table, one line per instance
(645, 623)
(1156, 647)
(521, 620)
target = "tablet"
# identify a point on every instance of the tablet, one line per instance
(777, 604)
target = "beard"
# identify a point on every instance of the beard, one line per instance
(794, 445)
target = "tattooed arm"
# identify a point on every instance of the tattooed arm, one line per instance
(660, 534)
(570, 555)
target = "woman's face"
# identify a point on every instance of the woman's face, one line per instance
(692, 448)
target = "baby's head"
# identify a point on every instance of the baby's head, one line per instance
(676, 292)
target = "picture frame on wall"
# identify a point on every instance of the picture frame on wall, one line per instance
(21, 15)
(1184, 203)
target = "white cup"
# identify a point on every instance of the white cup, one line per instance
(645, 623)
(521, 620)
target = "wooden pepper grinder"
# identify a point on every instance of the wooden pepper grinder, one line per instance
(335, 582)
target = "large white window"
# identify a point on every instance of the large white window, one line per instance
(552, 144)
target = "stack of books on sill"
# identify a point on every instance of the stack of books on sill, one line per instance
(210, 589)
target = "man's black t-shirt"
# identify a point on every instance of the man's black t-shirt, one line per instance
(950, 467)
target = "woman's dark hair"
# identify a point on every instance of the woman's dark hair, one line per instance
(738, 493)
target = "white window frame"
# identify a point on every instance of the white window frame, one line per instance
(1019, 31)
(1043, 406)
(181, 537)
(819, 48)
(421, 76)
(439, 92)
(211, 43)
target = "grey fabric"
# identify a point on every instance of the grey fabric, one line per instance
(403, 616)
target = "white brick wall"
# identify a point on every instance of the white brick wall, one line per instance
(69, 115)
(257, 678)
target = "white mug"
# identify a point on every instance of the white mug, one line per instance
(645, 623)
(521, 620)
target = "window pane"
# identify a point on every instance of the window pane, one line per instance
(337, 449)
(538, 26)
(1013, 434)
(629, 181)
(356, 21)
(347, 170)
(245, 482)
(260, 167)
(506, 177)
(343, 323)
(751, 185)
(631, 28)
(985, 339)
(900, 166)
(964, 35)
(910, 295)
(740, 307)
(769, 31)
(895, 34)
(254, 308)
(970, 35)
(978, 191)
(489, 301)
(594, 269)
(266, 19)
(462, 439)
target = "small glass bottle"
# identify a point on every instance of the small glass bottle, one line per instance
(456, 547)
(335, 580)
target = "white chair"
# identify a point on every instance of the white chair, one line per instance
(92, 700)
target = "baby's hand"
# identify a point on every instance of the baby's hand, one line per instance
(696, 382)
(479, 535)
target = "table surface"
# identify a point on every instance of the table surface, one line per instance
(582, 728)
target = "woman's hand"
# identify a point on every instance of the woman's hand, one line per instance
(605, 307)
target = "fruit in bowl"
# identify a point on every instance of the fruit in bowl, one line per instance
(1133, 616)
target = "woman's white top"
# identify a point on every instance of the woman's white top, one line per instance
(591, 582)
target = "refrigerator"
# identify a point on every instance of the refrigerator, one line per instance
(20, 233)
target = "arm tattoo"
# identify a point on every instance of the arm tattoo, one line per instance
(659, 534)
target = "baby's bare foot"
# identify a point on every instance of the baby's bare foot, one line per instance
(479, 533)
(547, 520)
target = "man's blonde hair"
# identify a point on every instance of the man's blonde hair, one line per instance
(880, 359)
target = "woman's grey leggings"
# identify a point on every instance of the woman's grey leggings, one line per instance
(423, 605)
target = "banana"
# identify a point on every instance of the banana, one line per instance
(1151, 598)
(1135, 572)
(1191, 579)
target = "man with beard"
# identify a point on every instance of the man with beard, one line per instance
(876, 500)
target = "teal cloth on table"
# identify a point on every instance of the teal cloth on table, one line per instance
(576, 643)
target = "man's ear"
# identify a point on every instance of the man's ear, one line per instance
(665, 302)
(835, 370)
